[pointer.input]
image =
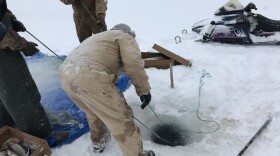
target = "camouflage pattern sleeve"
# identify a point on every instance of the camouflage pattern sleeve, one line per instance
(13, 41)
(101, 7)
(13, 17)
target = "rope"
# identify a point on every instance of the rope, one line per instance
(45, 45)
(201, 84)
(98, 22)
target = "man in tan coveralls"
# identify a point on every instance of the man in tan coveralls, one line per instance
(88, 76)
(86, 25)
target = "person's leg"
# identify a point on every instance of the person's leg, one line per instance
(111, 107)
(98, 129)
(5, 118)
(105, 101)
(82, 27)
(20, 95)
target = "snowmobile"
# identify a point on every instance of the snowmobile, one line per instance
(236, 24)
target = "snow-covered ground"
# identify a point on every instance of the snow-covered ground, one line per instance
(242, 92)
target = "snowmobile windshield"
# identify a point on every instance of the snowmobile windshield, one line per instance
(231, 7)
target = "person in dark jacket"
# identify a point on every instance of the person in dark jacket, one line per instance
(20, 105)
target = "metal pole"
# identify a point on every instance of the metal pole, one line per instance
(156, 114)
(153, 132)
(255, 136)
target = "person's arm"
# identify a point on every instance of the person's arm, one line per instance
(17, 25)
(101, 7)
(133, 64)
(15, 42)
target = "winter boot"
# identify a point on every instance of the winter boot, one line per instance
(150, 153)
(57, 137)
(99, 147)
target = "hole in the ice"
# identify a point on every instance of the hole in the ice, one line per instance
(170, 135)
(181, 130)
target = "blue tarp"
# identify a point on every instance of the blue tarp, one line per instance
(62, 112)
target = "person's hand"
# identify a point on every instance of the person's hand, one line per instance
(18, 26)
(145, 99)
(101, 19)
(30, 49)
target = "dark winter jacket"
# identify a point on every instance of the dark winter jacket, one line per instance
(12, 40)
(9, 38)
(3, 31)
(19, 96)
(3, 8)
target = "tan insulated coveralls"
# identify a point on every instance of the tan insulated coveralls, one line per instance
(85, 25)
(88, 76)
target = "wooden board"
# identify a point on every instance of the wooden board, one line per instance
(146, 55)
(160, 64)
(172, 55)
(42, 147)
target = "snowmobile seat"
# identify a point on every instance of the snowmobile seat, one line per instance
(224, 12)
(231, 7)
(265, 24)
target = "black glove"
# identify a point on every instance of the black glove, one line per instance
(30, 49)
(145, 99)
(18, 26)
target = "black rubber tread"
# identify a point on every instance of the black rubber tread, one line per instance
(266, 25)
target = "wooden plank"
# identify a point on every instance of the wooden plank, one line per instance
(42, 147)
(146, 55)
(172, 55)
(160, 64)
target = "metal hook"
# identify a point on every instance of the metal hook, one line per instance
(184, 31)
(177, 39)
